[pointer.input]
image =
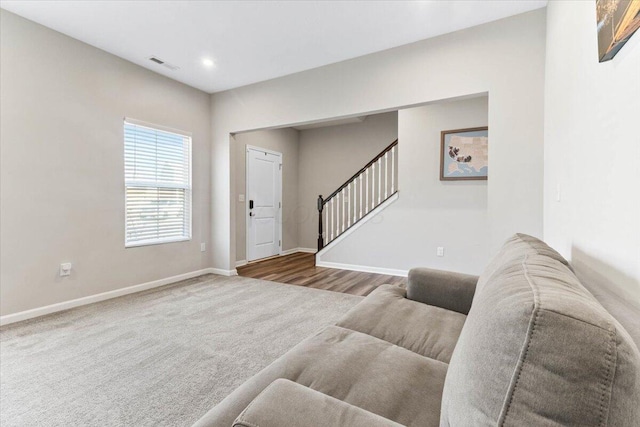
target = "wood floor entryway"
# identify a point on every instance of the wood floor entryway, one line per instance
(300, 269)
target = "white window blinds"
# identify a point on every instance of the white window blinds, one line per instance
(157, 175)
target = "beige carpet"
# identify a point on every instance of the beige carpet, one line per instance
(161, 357)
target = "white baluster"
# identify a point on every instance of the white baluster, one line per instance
(328, 229)
(366, 192)
(326, 225)
(355, 196)
(373, 186)
(349, 206)
(350, 203)
(328, 212)
(338, 221)
(393, 169)
(360, 215)
(386, 175)
(333, 217)
(354, 190)
(379, 180)
(342, 219)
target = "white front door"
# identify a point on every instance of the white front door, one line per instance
(264, 203)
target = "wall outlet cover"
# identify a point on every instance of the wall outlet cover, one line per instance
(65, 269)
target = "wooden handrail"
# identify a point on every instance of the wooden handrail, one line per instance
(350, 180)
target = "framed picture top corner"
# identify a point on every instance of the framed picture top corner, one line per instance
(616, 22)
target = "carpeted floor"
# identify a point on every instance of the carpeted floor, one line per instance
(158, 358)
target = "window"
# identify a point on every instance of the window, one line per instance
(157, 176)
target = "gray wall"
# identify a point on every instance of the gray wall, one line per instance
(592, 151)
(429, 212)
(62, 170)
(284, 141)
(331, 155)
(504, 58)
(61, 120)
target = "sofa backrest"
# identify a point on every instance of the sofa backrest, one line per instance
(538, 349)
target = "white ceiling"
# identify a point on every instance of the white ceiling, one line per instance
(252, 41)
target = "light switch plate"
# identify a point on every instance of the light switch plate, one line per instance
(241, 197)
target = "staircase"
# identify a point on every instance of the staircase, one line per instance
(359, 196)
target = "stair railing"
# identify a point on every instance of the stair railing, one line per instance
(370, 187)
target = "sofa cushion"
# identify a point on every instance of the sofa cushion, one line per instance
(424, 329)
(538, 349)
(358, 369)
(285, 403)
(445, 289)
(515, 248)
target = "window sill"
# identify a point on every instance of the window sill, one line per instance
(155, 242)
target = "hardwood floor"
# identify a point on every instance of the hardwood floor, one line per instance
(299, 269)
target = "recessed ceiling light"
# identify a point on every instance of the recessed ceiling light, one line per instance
(208, 62)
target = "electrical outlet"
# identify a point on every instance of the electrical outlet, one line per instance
(241, 197)
(65, 269)
(203, 247)
(440, 251)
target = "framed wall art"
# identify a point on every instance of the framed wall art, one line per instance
(617, 20)
(464, 154)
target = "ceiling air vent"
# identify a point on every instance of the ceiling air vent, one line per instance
(163, 63)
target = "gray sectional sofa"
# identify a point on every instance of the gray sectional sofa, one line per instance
(524, 344)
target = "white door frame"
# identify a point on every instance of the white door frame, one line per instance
(246, 199)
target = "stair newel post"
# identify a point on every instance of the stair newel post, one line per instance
(320, 208)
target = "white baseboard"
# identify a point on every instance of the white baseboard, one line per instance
(222, 272)
(66, 305)
(307, 250)
(363, 268)
(296, 250)
(241, 263)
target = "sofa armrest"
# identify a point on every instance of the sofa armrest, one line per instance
(446, 289)
(285, 403)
